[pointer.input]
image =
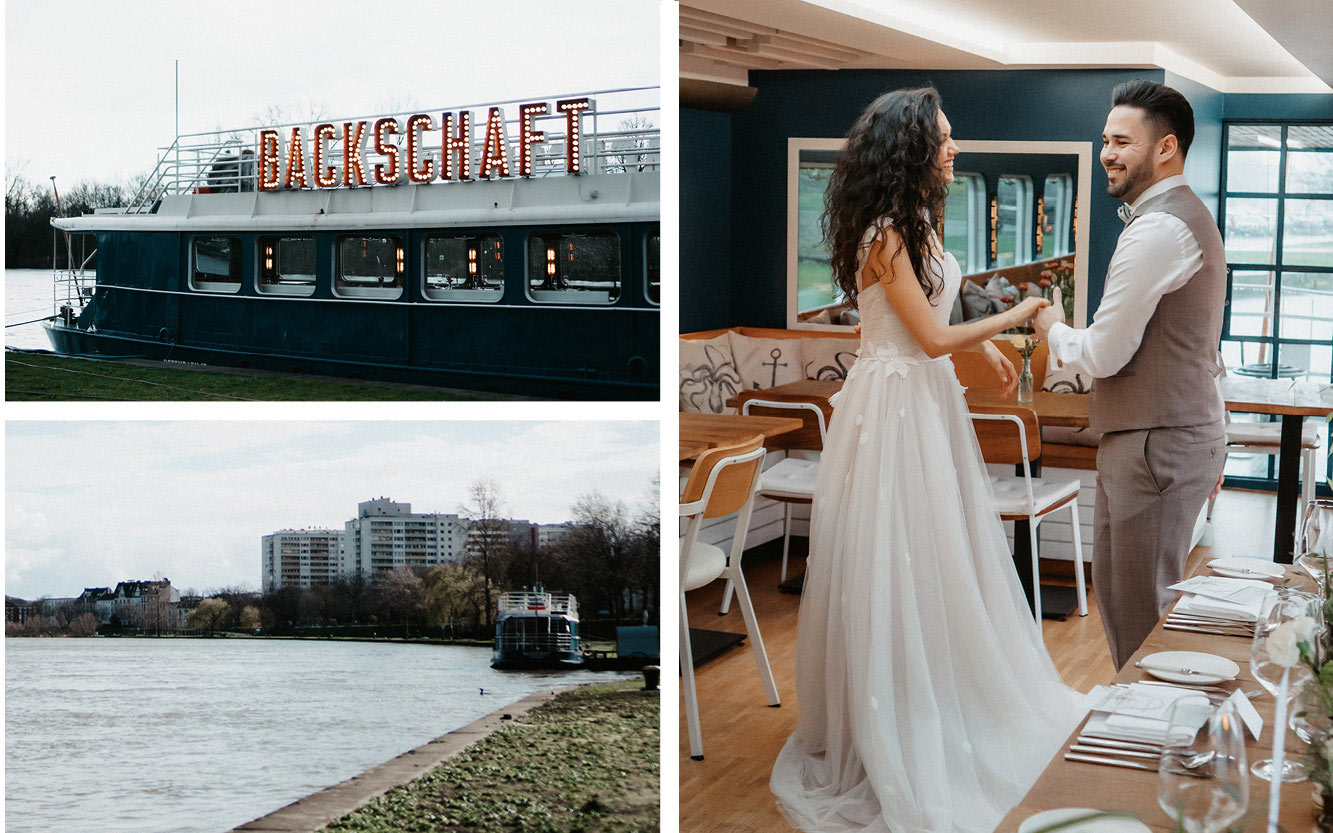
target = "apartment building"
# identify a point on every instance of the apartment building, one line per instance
(301, 558)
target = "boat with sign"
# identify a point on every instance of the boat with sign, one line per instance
(509, 246)
(537, 629)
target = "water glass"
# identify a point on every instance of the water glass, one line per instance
(1202, 780)
(1317, 541)
(1284, 607)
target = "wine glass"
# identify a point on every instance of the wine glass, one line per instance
(1317, 541)
(1202, 780)
(1282, 607)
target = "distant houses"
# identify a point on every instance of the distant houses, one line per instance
(152, 605)
(387, 535)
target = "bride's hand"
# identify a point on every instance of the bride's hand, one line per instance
(1002, 366)
(1025, 309)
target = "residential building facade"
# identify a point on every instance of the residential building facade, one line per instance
(301, 558)
(386, 535)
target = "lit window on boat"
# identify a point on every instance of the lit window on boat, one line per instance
(370, 267)
(215, 264)
(653, 267)
(464, 267)
(574, 267)
(287, 265)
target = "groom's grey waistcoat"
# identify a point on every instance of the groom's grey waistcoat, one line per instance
(1171, 381)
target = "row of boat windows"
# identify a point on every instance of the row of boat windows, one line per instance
(562, 266)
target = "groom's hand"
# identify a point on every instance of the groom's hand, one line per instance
(1048, 316)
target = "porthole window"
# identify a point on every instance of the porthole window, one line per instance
(287, 265)
(463, 267)
(370, 267)
(574, 267)
(215, 264)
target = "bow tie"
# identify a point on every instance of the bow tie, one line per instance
(1125, 213)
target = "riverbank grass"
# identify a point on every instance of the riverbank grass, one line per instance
(40, 377)
(586, 762)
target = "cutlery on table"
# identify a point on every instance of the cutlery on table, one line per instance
(1189, 672)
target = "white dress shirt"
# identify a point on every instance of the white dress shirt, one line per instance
(1156, 254)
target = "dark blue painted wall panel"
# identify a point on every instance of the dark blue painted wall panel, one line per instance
(1203, 165)
(1293, 107)
(705, 220)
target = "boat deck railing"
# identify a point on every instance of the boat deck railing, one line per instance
(620, 133)
(73, 285)
(562, 642)
(538, 601)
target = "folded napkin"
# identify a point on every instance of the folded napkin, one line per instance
(1238, 599)
(1137, 713)
(1246, 612)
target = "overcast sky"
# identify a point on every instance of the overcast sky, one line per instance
(92, 503)
(89, 89)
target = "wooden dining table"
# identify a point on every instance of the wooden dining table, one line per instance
(700, 432)
(1097, 786)
(1292, 401)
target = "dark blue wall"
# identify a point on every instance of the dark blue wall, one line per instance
(996, 105)
(705, 220)
(1203, 164)
(1291, 107)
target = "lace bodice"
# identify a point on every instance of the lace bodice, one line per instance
(884, 333)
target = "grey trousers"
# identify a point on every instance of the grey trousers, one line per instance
(1151, 486)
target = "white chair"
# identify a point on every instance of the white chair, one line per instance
(1011, 436)
(1266, 438)
(792, 480)
(722, 481)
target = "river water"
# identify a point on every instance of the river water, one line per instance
(27, 296)
(203, 735)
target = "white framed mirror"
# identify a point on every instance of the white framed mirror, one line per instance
(1023, 209)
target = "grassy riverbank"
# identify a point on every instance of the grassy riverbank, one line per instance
(586, 762)
(37, 377)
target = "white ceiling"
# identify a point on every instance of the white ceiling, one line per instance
(1240, 46)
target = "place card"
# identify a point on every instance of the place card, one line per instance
(1247, 713)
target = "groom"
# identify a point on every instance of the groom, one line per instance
(1153, 349)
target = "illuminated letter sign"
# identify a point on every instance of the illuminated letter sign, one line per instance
(527, 137)
(354, 147)
(326, 176)
(419, 170)
(268, 160)
(459, 143)
(572, 108)
(296, 166)
(495, 150)
(390, 173)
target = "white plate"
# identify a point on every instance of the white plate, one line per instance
(1254, 568)
(1212, 668)
(1106, 824)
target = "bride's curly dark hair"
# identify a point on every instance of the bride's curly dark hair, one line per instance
(887, 169)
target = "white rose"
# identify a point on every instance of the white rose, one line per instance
(1328, 749)
(1282, 649)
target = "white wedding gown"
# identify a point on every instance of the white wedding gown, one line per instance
(927, 699)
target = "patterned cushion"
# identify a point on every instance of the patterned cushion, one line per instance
(1064, 380)
(767, 362)
(828, 358)
(708, 376)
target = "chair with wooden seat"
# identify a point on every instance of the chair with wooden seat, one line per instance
(722, 482)
(792, 480)
(1011, 436)
(1266, 438)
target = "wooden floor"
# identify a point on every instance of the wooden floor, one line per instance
(727, 792)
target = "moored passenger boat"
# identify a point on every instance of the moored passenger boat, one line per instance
(508, 246)
(537, 629)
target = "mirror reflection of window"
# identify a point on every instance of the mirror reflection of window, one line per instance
(814, 273)
(1057, 219)
(965, 222)
(1013, 231)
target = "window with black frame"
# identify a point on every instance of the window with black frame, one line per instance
(1277, 225)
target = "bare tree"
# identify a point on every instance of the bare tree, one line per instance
(487, 536)
(399, 594)
(211, 615)
(250, 620)
(84, 625)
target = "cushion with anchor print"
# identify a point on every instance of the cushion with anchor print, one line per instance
(708, 376)
(767, 362)
(828, 358)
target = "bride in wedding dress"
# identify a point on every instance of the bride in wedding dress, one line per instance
(928, 702)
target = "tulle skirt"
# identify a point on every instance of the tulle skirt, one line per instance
(927, 699)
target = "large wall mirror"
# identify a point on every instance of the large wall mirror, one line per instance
(1016, 219)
